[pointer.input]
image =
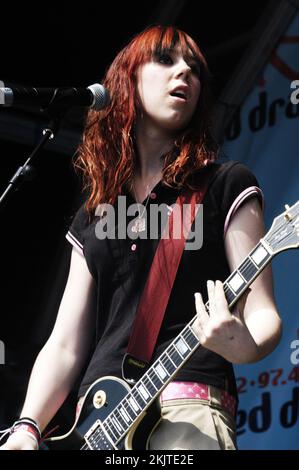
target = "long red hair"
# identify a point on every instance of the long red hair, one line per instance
(107, 156)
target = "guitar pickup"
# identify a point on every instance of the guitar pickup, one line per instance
(91, 430)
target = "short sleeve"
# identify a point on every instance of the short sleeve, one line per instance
(239, 185)
(76, 231)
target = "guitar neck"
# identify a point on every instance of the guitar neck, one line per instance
(178, 352)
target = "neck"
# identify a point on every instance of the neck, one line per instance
(151, 145)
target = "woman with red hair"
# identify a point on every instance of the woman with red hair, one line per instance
(151, 144)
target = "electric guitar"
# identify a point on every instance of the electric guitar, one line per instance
(115, 416)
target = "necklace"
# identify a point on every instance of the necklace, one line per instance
(139, 222)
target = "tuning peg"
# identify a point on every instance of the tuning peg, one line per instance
(287, 215)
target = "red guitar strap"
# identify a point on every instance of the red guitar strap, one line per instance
(156, 293)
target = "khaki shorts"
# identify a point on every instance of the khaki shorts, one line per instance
(194, 424)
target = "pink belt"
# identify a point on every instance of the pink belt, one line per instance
(176, 390)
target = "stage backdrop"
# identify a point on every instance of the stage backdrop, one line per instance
(265, 136)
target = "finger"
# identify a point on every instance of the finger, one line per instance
(220, 299)
(201, 319)
(211, 294)
(201, 309)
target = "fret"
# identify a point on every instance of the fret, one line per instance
(175, 357)
(116, 423)
(110, 433)
(155, 378)
(129, 409)
(120, 419)
(190, 338)
(108, 430)
(230, 296)
(239, 279)
(259, 255)
(168, 364)
(161, 371)
(248, 269)
(113, 429)
(149, 385)
(148, 377)
(181, 347)
(124, 414)
(236, 282)
(138, 398)
(143, 392)
(168, 354)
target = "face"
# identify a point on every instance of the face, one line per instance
(169, 88)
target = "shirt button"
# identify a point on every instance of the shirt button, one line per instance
(153, 195)
(134, 247)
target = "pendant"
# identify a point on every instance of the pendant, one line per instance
(138, 225)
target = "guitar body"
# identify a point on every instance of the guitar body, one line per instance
(100, 400)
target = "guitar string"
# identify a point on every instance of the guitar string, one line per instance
(286, 237)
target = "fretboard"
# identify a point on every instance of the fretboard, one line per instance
(120, 420)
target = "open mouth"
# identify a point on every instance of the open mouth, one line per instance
(179, 94)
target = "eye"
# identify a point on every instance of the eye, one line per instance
(165, 58)
(195, 68)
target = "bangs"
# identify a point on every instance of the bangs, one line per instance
(157, 40)
(171, 39)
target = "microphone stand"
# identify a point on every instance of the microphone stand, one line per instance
(55, 110)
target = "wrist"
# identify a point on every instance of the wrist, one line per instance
(22, 431)
(244, 350)
(27, 426)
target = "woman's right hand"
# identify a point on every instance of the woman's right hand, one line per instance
(20, 441)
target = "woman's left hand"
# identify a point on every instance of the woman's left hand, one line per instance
(221, 331)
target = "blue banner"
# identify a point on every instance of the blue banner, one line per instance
(265, 136)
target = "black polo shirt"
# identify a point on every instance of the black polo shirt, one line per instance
(120, 268)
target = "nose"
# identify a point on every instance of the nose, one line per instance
(183, 69)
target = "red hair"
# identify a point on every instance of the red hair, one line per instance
(107, 156)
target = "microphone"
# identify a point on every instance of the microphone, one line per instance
(95, 96)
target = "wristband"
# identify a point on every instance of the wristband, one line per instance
(29, 422)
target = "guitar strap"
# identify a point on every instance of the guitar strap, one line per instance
(154, 299)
